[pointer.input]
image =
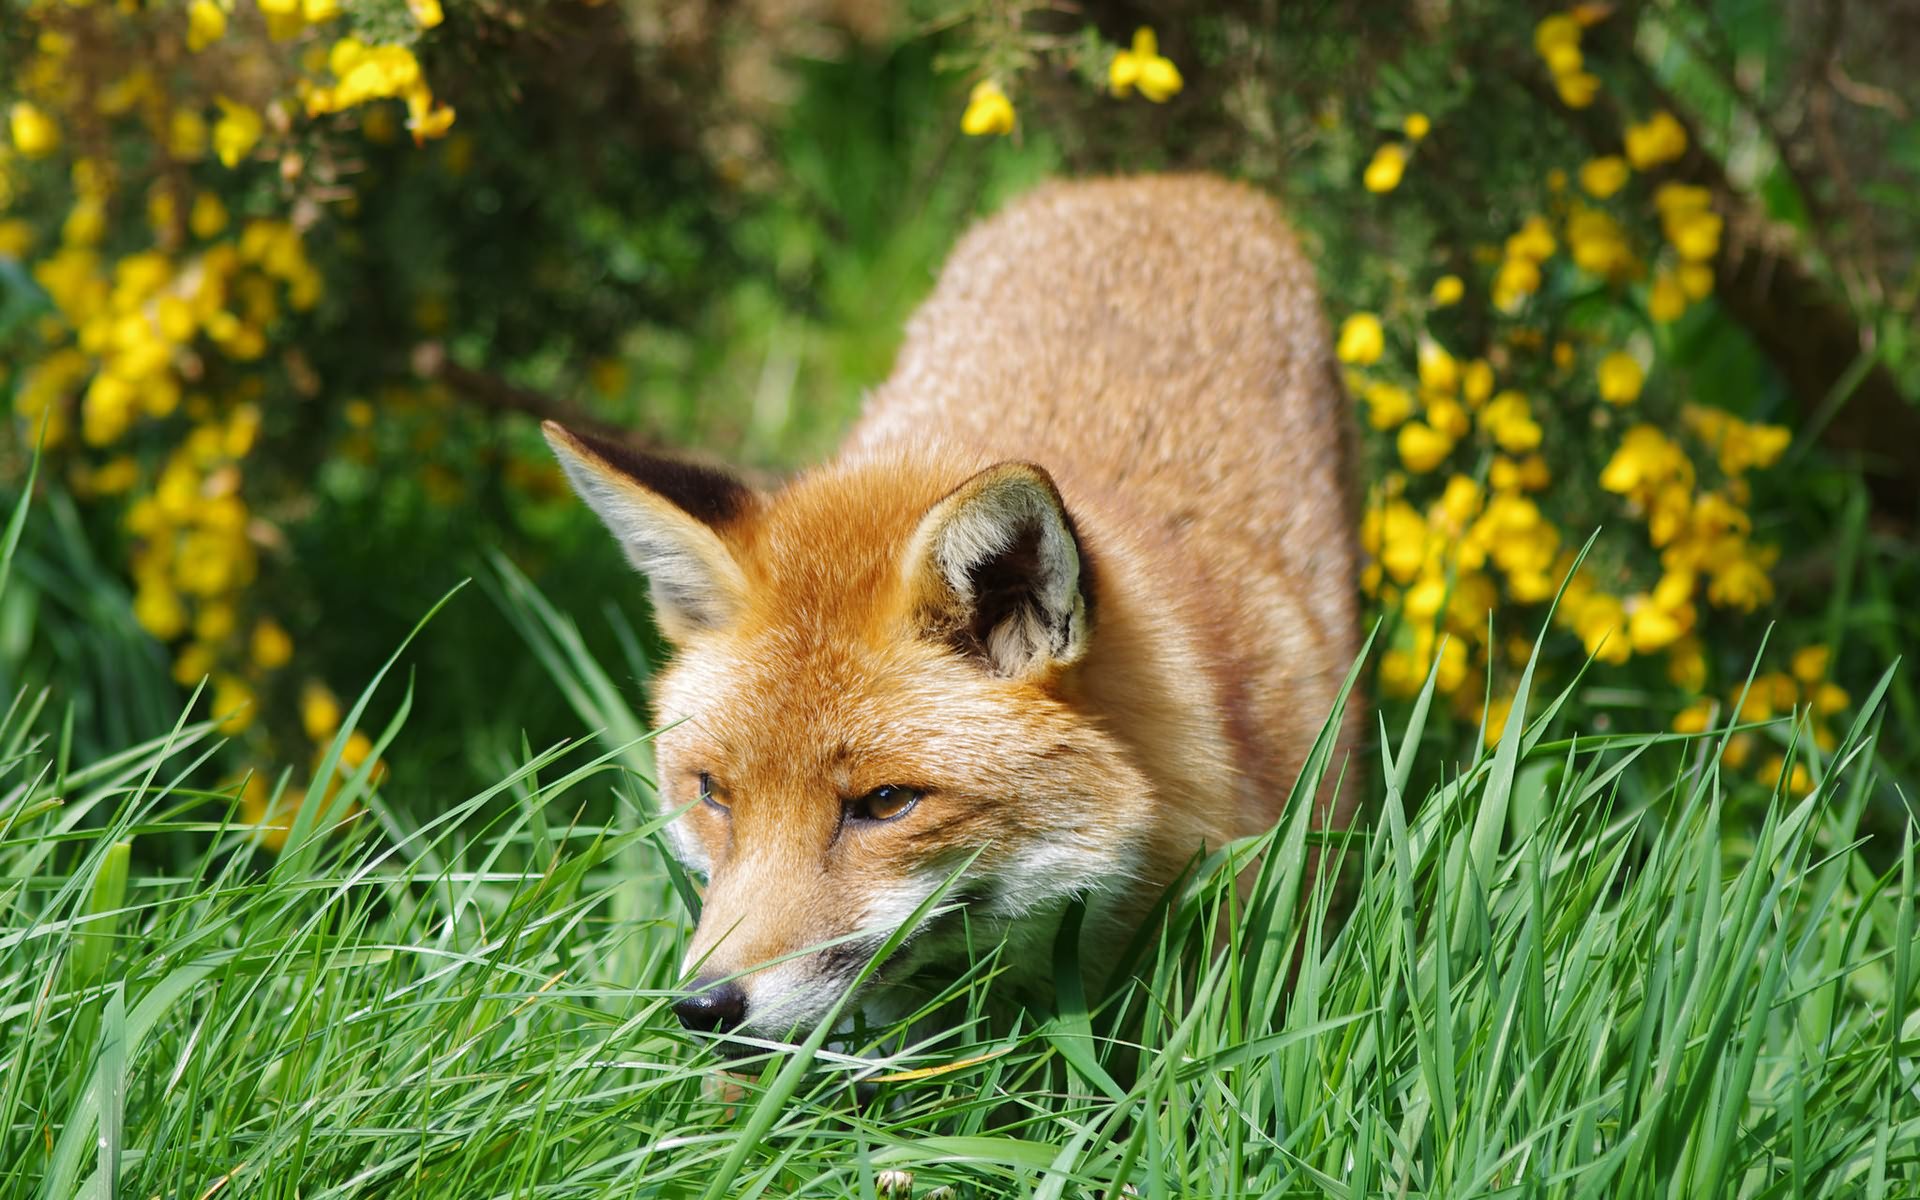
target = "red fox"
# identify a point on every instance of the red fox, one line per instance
(1072, 603)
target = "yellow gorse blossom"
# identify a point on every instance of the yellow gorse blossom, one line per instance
(1384, 171)
(1447, 290)
(988, 111)
(1621, 377)
(206, 24)
(1603, 177)
(1556, 39)
(1657, 140)
(34, 133)
(236, 132)
(1361, 341)
(1145, 68)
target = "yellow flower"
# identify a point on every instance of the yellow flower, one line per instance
(192, 664)
(159, 611)
(1145, 68)
(272, 646)
(1447, 291)
(1555, 31)
(988, 111)
(1621, 378)
(1362, 340)
(1671, 198)
(1509, 419)
(1387, 405)
(1417, 125)
(1687, 664)
(215, 622)
(1830, 698)
(426, 12)
(1476, 382)
(1517, 279)
(207, 217)
(1599, 244)
(1810, 664)
(206, 24)
(1694, 718)
(425, 119)
(316, 11)
(1598, 622)
(1602, 177)
(1666, 301)
(1652, 628)
(1696, 235)
(1439, 372)
(319, 712)
(1396, 535)
(1564, 58)
(1659, 139)
(34, 133)
(16, 238)
(1388, 165)
(233, 704)
(1644, 458)
(1740, 583)
(236, 132)
(1741, 446)
(1534, 242)
(1448, 417)
(1461, 501)
(1422, 447)
(1577, 88)
(1739, 750)
(1695, 280)
(187, 135)
(1495, 719)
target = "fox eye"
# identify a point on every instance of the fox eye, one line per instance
(706, 793)
(883, 804)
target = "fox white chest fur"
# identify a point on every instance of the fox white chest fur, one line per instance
(1070, 604)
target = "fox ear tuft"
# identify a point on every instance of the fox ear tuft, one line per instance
(997, 569)
(666, 514)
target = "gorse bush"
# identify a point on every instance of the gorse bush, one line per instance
(1550, 977)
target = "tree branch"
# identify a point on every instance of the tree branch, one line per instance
(497, 395)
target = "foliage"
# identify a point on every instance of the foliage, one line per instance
(1587, 269)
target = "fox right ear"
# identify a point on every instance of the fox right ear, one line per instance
(666, 515)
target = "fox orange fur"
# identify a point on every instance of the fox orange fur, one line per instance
(1074, 597)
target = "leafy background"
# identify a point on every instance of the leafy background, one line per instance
(702, 225)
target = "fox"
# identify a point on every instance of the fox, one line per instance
(1068, 607)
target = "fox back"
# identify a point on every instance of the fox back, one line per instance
(1070, 605)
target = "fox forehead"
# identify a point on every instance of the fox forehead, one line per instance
(808, 709)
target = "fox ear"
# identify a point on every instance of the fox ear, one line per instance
(996, 568)
(666, 515)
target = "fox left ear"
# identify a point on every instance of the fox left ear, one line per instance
(669, 517)
(996, 568)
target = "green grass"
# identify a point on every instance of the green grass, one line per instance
(1558, 975)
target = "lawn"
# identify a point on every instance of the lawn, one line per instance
(1559, 972)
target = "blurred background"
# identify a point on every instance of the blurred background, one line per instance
(286, 286)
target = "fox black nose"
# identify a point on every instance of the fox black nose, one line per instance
(712, 1007)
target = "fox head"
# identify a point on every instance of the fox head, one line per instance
(873, 687)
